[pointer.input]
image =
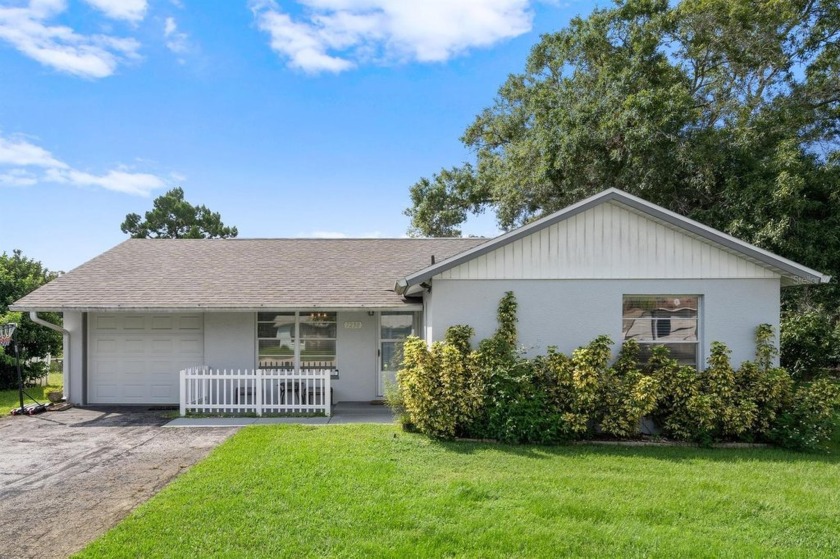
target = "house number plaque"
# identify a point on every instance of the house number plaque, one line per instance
(353, 325)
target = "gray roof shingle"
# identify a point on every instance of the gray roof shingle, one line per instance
(227, 274)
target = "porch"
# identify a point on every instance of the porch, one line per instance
(204, 390)
(342, 413)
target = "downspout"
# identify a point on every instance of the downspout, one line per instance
(65, 366)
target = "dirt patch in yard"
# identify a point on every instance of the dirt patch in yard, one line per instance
(67, 477)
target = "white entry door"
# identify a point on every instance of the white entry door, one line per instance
(135, 358)
(394, 328)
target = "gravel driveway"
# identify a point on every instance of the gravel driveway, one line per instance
(67, 477)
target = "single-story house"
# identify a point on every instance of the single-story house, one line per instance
(611, 264)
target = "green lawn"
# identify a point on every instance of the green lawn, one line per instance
(373, 491)
(9, 398)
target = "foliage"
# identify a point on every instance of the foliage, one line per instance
(19, 276)
(626, 394)
(683, 411)
(438, 386)
(174, 218)
(809, 342)
(720, 403)
(811, 419)
(494, 392)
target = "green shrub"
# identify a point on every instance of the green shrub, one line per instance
(627, 394)
(683, 411)
(809, 343)
(449, 390)
(769, 387)
(733, 410)
(440, 388)
(809, 422)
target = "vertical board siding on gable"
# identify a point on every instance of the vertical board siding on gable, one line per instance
(608, 242)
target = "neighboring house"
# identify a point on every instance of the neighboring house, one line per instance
(612, 264)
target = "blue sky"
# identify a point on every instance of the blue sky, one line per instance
(307, 118)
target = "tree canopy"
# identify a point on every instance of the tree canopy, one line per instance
(172, 217)
(19, 276)
(725, 111)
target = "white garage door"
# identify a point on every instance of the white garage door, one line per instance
(135, 358)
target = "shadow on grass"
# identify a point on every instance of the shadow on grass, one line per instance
(658, 452)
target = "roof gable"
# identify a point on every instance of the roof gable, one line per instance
(614, 235)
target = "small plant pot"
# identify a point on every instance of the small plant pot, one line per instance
(55, 397)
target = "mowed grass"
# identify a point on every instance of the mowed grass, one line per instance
(9, 399)
(373, 491)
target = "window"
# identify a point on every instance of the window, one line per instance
(317, 340)
(304, 340)
(668, 320)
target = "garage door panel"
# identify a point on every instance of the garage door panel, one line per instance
(162, 346)
(135, 359)
(162, 323)
(194, 322)
(105, 322)
(104, 346)
(134, 345)
(134, 322)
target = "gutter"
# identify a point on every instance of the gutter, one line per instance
(65, 365)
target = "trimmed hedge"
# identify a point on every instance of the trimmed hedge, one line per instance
(451, 390)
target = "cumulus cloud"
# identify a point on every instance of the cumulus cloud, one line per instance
(60, 47)
(336, 35)
(23, 163)
(129, 10)
(176, 41)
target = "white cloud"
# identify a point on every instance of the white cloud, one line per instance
(176, 41)
(20, 153)
(336, 35)
(17, 177)
(140, 184)
(23, 163)
(129, 10)
(59, 46)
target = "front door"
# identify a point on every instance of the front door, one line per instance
(394, 328)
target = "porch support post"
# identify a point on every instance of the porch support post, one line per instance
(182, 390)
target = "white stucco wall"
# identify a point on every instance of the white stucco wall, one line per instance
(230, 340)
(570, 313)
(356, 349)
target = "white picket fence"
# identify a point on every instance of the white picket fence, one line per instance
(260, 391)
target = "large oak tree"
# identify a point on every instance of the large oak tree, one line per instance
(726, 111)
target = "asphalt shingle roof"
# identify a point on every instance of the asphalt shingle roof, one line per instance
(162, 274)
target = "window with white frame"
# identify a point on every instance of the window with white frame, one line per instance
(668, 320)
(296, 339)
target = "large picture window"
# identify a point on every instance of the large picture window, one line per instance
(668, 320)
(301, 340)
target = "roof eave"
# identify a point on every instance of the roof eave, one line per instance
(407, 305)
